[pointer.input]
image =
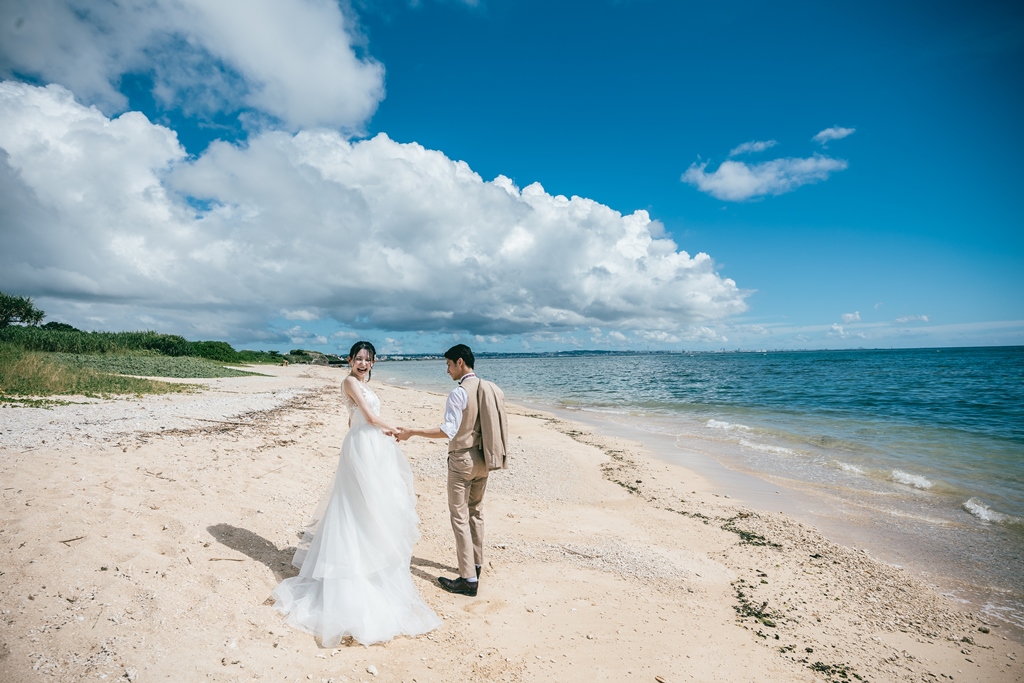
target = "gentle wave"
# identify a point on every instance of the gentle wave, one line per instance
(847, 467)
(727, 426)
(607, 411)
(986, 514)
(765, 448)
(915, 480)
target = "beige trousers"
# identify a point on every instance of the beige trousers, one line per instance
(467, 480)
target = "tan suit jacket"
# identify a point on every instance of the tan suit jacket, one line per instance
(484, 423)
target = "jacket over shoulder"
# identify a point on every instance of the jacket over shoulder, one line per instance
(493, 425)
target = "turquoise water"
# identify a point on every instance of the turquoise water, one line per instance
(922, 448)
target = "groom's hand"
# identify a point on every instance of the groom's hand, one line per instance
(402, 434)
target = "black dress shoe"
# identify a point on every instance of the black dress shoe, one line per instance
(459, 586)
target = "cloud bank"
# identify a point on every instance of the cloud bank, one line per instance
(293, 60)
(375, 233)
(736, 181)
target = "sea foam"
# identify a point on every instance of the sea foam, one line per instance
(765, 448)
(915, 480)
(727, 426)
(847, 467)
(986, 514)
(607, 411)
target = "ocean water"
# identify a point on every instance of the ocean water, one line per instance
(916, 455)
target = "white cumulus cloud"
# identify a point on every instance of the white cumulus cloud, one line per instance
(109, 219)
(836, 330)
(851, 317)
(752, 147)
(833, 133)
(839, 332)
(293, 60)
(736, 181)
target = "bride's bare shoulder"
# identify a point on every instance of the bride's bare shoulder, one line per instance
(352, 387)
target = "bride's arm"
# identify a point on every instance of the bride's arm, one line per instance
(351, 388)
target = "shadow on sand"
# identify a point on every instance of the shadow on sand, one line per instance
(277, 560)
(430, 577)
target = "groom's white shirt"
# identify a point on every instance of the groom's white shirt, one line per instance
(456, 404)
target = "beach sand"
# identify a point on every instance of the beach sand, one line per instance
(141, 539)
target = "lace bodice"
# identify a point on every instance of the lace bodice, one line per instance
(372, 402)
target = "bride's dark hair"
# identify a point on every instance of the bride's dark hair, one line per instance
(359, 346)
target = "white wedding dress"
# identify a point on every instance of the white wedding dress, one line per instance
(354, 578)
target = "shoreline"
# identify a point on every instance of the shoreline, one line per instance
(837, 519)
(602, 562)
(909, 535)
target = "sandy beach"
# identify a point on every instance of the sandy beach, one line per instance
(141, 538)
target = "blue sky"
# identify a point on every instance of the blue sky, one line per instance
(907, 231)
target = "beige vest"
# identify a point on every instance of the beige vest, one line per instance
(468, 435)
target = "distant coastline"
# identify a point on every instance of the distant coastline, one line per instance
(597, 353)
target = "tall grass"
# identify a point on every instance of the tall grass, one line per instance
(30, 373)
(76, 341)
(149, 364)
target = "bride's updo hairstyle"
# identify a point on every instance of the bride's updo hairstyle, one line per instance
(359, 346)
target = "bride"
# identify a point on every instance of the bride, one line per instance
(354, 577)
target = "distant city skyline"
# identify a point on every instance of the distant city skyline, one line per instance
(519, 176)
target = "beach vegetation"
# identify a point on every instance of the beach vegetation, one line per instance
(54, 325)
(307, 357)
(40, 360)
(150, 364)
(63, 338)
(27, 375)
(18, 309)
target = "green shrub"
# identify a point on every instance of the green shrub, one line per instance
(246, 356)
(215, 350)
(54, 325)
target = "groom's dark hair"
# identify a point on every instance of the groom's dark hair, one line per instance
(460, 351)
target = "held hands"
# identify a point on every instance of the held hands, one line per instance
(401, 433)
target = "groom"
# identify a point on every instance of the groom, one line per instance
(467, 467)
